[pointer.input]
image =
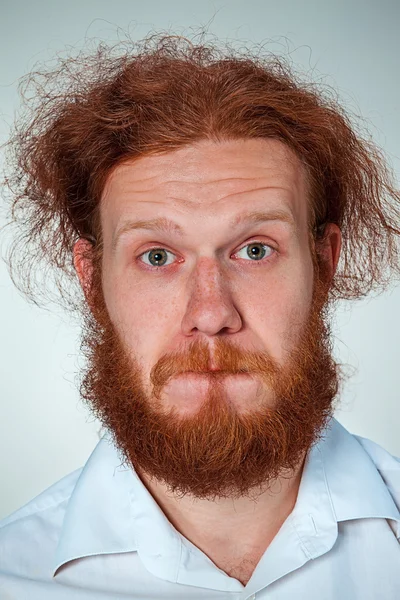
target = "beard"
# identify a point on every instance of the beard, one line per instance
(218, 451)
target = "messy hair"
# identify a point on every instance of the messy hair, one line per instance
(97, 109)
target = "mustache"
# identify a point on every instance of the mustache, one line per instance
(222, 359)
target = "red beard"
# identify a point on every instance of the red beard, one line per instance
(218, 451)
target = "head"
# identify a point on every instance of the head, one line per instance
(205, 201)
(211, 347)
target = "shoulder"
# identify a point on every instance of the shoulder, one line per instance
(46, 500)
(382, 458)
(30, 534)
(386, 464)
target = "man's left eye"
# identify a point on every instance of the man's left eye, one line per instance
(255, 251)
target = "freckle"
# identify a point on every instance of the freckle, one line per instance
(208, 266)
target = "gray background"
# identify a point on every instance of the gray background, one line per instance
(353, 46)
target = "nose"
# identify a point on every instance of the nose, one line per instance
(210, 308)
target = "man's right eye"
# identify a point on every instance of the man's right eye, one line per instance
(157, 257)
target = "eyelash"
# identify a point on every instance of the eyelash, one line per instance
(262, 260)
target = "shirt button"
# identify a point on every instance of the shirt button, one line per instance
(252, 597)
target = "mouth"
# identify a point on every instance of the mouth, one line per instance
(213, 373)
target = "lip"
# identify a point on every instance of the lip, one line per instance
(219, 372)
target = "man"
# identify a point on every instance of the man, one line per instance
(204, 201)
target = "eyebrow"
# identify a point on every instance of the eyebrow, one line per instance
(164, 225)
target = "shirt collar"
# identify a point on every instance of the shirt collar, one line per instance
(111, 511)
(356, 488)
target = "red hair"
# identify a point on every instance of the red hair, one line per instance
(99, 109)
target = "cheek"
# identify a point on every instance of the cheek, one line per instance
(143, 317)
(279, 310)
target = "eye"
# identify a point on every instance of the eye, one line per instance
(255, 251)
(157, 257)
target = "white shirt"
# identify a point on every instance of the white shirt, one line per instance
(98, 533)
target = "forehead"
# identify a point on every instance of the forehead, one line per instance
(208, 177)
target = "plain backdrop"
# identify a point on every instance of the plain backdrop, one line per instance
(351, 45)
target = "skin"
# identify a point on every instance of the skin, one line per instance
(212, 288)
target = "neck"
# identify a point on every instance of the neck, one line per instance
(229, 529)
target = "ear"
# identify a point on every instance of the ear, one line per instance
(83, 265)
(329, 249)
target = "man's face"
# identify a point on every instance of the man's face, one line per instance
(209, 286)
(209, 289)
